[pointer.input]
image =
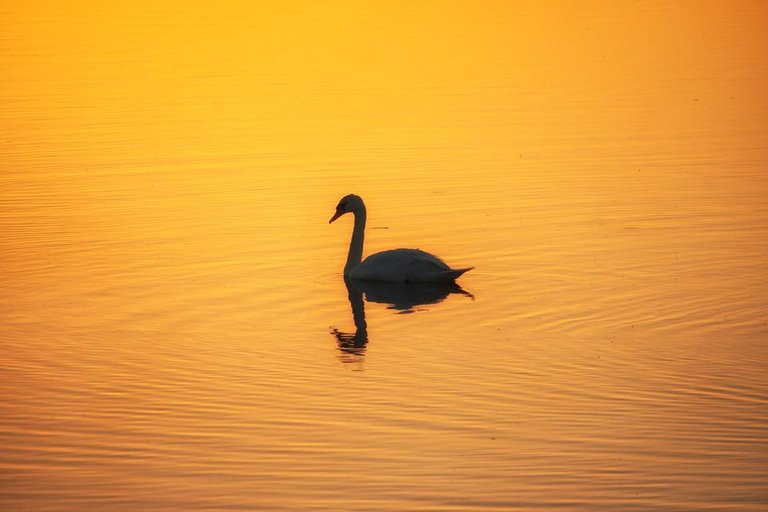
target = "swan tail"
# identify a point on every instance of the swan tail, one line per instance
(449, 275)
(456, 272)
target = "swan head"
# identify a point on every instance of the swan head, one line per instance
(348, 203)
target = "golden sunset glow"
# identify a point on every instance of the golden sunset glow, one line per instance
(177, 334)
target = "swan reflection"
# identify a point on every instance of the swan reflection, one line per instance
(401, 297)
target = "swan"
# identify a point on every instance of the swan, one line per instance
(397, 265)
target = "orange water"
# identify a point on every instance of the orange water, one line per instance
(176, 334)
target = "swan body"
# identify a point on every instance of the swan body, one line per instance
(396, 265)
(404, 266)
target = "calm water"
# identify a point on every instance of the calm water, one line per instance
(176, 333)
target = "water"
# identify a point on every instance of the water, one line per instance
(176, 333)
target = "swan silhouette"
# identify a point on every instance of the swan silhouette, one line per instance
(396, 265)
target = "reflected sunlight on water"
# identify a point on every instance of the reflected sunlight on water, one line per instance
(176, 330)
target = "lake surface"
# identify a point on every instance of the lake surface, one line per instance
(176, 333)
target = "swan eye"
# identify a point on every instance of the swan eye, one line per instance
(342, 206)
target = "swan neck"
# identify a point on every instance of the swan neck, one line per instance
(355, 255)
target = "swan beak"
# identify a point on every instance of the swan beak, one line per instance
(336, 215)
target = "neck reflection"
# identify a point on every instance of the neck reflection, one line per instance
(353, 344)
